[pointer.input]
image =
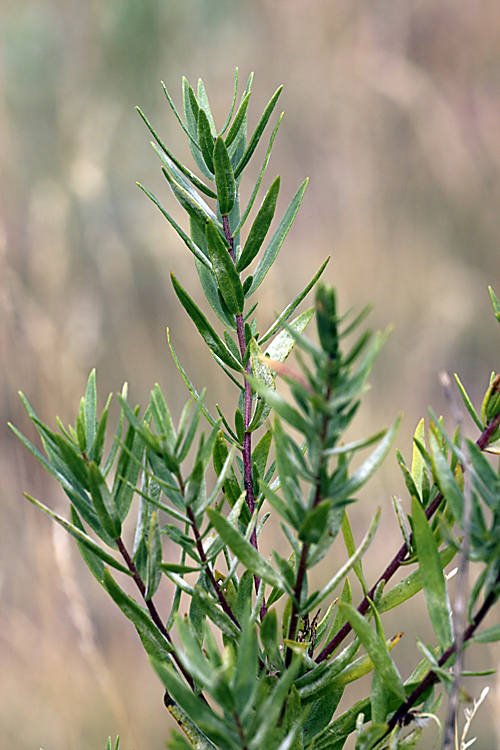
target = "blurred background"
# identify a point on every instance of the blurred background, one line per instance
(392, 109)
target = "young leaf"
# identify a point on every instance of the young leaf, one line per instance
(227, 277)
(206, 140)
(224, 177)
(239, 122)
(154, 558)
(104, 502)
(254, 140)
(431, 570)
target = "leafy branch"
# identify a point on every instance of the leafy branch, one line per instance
(242, 672)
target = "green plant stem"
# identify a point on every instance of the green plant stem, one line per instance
(153, 611)
(482, 443)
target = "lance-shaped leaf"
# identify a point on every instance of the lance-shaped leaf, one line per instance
(281, 346)
(227, 277)
(283, 317)
(154, 558)
(318, 597)
(260, 226)
(412, 584)
(495, 302)
(252, 198)
(367, 468)
(245, 552)
(206, 140)
(239, 123)
(377, 650)
(190, 201)
(104, 502)
(273, 248)
(202, 97)
(431, 570)
(170, 160)
(445, 480)
(153, 640)
(207, 332)
(224, 177)
(198, 254)
(90, 411)
(80, 536)
(254, 140)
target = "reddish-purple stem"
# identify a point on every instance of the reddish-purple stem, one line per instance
(482, 443)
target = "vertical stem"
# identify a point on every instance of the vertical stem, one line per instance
(247, 411)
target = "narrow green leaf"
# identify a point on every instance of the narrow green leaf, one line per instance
(260, 226)
(206, 140)
(377, 650)
(239, 123)
(128, 467)
(90, 411)
(254, 140)
(281, 346)
(205, 105)
(245, 552)
(227, 277)
(154, 558)
(368, 467)
(190, 201)
(170, 160)
(445, 480)
(233, 103)
(318, 597)
(273, 248)
(104, 503)
(224, 177)
(283, 317)
(198, 254)
(153, 640)
(431, 570)
(205, 329)
(93, 562)
(80, 536)
(495, 302)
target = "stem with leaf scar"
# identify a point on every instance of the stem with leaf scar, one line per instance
(247, 412)
(482, 443)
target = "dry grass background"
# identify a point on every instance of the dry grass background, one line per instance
(392, 108)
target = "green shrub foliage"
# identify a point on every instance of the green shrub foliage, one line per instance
(202, 490)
